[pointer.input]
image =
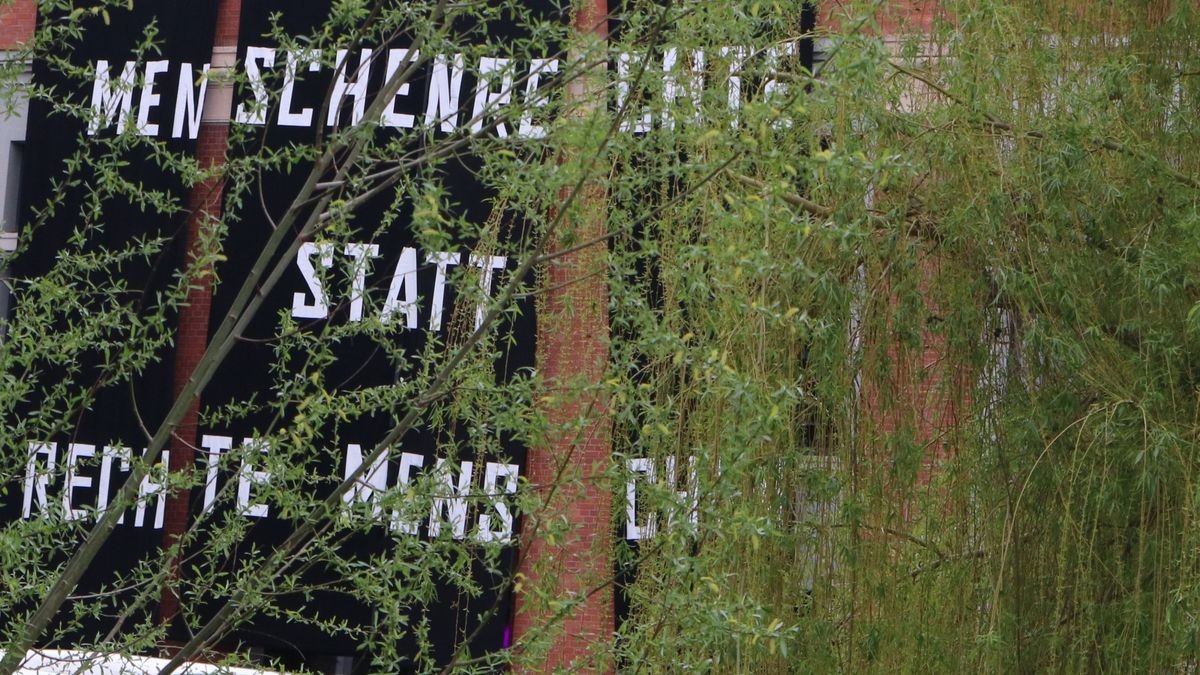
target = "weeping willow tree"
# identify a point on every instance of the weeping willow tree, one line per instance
(899, 367)
(932, 342)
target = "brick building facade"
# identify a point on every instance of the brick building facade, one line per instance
(17, 22)
(572, 343)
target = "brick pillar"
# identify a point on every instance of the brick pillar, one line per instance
(572, 351)
(894, 17)
(17, 21)
(925, 394)
(204, 206)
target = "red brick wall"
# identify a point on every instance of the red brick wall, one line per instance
(17, 21)
(572, 349)
(925, 393)
(190, 344)
(909, 15)
(572, 344)
(567, 473)
(192, 337)
(897, 16)
(229, 15)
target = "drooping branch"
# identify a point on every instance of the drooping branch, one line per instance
(991, 124)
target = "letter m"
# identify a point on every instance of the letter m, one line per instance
(374, 480)
(111, 99)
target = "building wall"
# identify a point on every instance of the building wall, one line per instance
(930, 405)
(923, 396)
(17, 20)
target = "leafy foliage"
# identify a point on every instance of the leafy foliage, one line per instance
(901, 367)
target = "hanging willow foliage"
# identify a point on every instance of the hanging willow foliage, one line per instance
(932, 345)
(901, 358)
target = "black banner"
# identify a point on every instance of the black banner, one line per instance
(84, 430)
(373, 270)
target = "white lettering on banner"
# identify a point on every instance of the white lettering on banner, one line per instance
(74, 480)
(488, 101)
(688, 497)
(37, 479)
(644, 466)
(449, 505)
(356, 90)
(442, 260)
(403, 278)
(319, 308)
(408, 462)
(249, 477)
(450, 499)
(486, 264)
(495, 79)
(445, 84)
(149, 98)
(396, 58)
(213, 447)
(533, 100)
(640, 122)
(402, 293)
(54, 488)
(737, 59)
(374, 480)
(111, 99)
(152, 485)
(257, 112)
(491, 478)
(361, 253)
(292, 60)
(693, 90)
(773, 89)
(189, 103)
(107, 455)
(640, 523)
(37, 482)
